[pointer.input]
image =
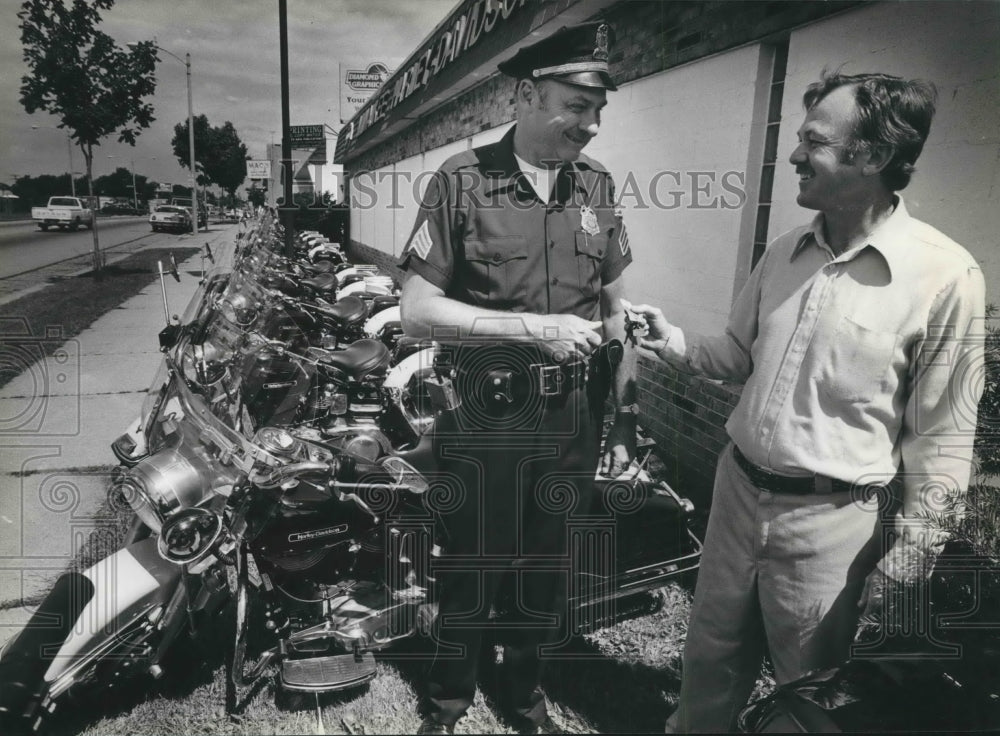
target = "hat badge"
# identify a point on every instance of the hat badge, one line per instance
(601, 50)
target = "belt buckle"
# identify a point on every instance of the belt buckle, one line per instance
(550, 378)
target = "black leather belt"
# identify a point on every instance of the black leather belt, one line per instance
(505, 385)
(558, 379)
(803, 486)
(502, 380)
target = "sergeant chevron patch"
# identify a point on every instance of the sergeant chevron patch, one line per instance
(421, 241)
(622, 240)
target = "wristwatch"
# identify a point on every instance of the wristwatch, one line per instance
(632, 409)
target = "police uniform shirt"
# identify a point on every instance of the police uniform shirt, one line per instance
(485, 238)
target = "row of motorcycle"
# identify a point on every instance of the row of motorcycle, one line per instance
(280, 477)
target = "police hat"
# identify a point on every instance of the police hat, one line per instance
(573, 54)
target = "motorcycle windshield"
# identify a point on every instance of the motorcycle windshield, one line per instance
(184, 415)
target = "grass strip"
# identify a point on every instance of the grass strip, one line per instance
(36, 325)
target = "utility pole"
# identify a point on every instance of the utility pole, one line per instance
(287, 210)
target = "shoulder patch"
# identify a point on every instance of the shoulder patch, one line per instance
(421, 242)
(623, 239)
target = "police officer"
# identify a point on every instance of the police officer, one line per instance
(515, 264)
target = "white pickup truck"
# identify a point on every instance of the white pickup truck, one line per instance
(64, 213)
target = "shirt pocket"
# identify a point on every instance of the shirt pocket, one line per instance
(590, 250)
(498, 270)
(859, 362)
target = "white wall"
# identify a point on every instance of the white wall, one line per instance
(695, 118)
(954, 45)
(382, 215)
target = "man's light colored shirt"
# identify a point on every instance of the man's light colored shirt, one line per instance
(855, 366)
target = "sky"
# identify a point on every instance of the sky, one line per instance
(235, 73)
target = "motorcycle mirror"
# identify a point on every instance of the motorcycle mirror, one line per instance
(173, 268)
(404, 474)
(208, 253)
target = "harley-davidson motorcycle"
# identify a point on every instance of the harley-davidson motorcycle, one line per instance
(280, 473)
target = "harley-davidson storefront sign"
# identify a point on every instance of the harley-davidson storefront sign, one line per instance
(453, 39)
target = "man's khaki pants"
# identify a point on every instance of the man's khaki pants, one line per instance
(779, 573)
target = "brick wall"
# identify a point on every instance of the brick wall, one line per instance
(358, 252)
(686, 415)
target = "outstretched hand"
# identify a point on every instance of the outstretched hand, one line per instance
(651, 319)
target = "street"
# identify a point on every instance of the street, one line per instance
(30, 258)
(23, 247)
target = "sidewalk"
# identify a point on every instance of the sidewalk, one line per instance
(57, 422)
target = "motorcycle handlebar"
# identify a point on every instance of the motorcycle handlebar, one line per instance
(346, 473)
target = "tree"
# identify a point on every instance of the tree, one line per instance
(227, 164)
(182, 149)
(219, 153)
(79, 74)
(256, 197)
(116, 184)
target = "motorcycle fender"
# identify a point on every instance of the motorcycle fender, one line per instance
(400, 373)
(377, 322)
(349, 271)
(127, 585)
(358, 287)
(322, 248)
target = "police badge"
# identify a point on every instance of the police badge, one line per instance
(588, 220)
(601, 49)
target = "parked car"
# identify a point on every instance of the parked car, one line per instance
(64, 213)
(118, 208)
(185, 202)
(169, 217)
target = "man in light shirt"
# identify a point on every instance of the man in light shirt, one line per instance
(858, 339)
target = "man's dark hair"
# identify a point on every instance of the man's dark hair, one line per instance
(891, 111)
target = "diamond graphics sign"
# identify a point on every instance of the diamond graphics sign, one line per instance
(357, 85)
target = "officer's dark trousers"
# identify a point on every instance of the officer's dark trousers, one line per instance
(518, 477)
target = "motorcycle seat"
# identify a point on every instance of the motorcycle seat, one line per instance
(359, 359)
(320, 267)
(347, 310)
(383, 301)
(321, 282)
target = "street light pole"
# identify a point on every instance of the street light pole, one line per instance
(69, 151)
(135, 192)
(194, 175)
(186, 61)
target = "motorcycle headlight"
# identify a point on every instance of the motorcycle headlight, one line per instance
(238, 309)
(189, 536)
(162, 484)
(205, 364)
